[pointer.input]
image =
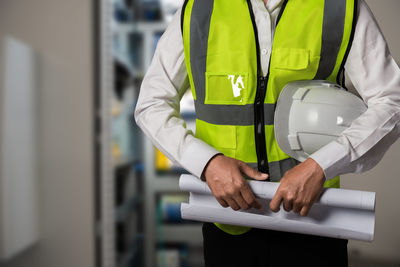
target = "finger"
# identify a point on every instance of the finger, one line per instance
(297, 206)
(287, 204)
(304, 211)
(276, 202)
(249, 171)
(240, 200)
(222, 202)
(232, 203)
(217, 194)
(308, 204)
(249, 197)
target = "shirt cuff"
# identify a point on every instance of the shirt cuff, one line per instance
(331, 158)
(196, 157)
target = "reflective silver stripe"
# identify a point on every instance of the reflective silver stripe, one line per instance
(254, 165)
(241, 115)
(332, 36)
(199, 31)
(277, 168)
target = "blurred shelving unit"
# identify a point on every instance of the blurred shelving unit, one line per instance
(119, 165)
(137, 225)
(161, 181)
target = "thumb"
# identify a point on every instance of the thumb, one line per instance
(249, 171)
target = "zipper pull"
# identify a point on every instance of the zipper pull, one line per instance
(262, 86)
(262, 81)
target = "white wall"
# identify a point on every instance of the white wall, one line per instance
(385, 178)
(61, 33)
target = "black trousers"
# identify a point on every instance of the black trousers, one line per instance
(266, 248)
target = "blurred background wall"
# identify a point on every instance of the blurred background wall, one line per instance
(61, 34)
(384, 178)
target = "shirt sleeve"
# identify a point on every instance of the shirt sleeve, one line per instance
(157, 111)
(376, 77)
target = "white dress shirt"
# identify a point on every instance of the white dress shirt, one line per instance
(369, 65)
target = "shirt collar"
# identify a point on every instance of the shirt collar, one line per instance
(273, 4)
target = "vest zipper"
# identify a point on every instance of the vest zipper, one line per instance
(262, 84)
(259, 128)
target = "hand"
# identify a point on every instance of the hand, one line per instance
(299, 188)
(224, 177)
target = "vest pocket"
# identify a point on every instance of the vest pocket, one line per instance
(291, 58)
(226, 88)
(221, 137)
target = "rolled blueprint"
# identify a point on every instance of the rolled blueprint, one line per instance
(343, 198)
(339, 213)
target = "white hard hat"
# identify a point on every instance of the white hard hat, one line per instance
(310, 114)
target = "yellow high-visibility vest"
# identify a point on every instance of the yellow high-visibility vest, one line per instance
(234, 102)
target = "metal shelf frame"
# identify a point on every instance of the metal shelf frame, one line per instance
(153, 183)
(106, 217)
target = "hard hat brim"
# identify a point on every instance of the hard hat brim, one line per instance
(281, 120)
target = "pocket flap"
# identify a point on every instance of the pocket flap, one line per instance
(291, 58)
(226, 88)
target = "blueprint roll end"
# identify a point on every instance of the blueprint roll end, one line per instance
(184, 206)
